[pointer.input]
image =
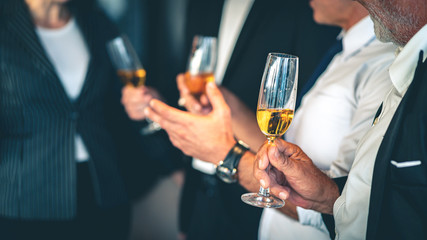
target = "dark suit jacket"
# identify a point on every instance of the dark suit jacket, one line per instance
(271, 26)
(38, 122)
(398, 208)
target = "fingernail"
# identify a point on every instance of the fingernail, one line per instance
(283, 195)
(262, 182)
(260, 164)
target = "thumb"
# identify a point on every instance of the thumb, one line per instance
(215, 96)
(182, 87)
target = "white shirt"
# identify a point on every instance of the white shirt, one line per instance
(233, 17)
(333, 117)
(67, 51)
(351, 208)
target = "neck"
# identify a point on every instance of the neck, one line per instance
(356, 14)
(48, 14)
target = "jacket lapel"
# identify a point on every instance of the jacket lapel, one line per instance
(21, 23)
(385, 154)
(256, 14)
(88, 32)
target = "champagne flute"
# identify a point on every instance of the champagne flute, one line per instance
(201, 64)
(130, 70)
(276, 105)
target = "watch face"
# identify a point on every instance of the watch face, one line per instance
(225, 174)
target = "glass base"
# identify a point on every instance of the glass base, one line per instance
(258, 200)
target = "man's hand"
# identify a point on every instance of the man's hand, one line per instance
(295, 177)
(207, 137)
(136, 99)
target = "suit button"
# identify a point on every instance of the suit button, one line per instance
(74, 115)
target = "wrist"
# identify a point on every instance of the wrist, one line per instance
(227, 169)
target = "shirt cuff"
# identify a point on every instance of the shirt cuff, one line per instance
(311, 218)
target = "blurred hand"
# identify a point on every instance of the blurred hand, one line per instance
(294, 177)
(200, 106)
(207, 137)
(136, 99)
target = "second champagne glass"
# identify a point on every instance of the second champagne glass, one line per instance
(201, 64)
(130, 70)
(276, 105)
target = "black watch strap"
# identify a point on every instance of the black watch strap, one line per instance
(229, 165)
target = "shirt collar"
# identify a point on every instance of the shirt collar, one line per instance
(402, 70)
(359, 35)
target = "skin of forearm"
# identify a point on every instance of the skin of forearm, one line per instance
(290, 210)
(329, 193)
(245, 171)
(244, 123)
(246, 129)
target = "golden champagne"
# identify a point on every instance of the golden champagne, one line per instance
(197, 83)
(274, 122)
(134, 77)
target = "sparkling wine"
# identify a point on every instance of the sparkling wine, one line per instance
(134, 77)
(274, 122)
(196, 83)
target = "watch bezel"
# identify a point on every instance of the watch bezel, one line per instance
(229, 174)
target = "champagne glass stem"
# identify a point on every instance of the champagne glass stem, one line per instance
(265, 192)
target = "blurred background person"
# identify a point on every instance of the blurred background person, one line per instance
(156, 30)
(63, 131)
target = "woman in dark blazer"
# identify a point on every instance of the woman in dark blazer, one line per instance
(59, 149)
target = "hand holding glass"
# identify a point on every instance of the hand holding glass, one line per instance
(276, 105)
(130, 70)
(201, 64)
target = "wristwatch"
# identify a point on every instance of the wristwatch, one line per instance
(227, 169)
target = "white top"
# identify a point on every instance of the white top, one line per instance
(333, 117)
(351, 208)
(67, 51)
(233, 17)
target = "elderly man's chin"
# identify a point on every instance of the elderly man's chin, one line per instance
(382, 33)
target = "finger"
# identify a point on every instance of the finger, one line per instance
(262, 158)
(177, 140)
(125, 94)
(277, 155)
(263, 177)
(132, 94)
(182, 87)
(152, 115)
(163, 111)
(215, 96)
(261, 164)
(192, 104)
(186, 98)
(134, 113)
(282, 192)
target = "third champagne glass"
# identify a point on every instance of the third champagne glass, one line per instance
(201, 64)
(130, 70)
(276, 105)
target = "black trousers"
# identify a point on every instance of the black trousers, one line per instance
(211, 209)
(91, 222)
